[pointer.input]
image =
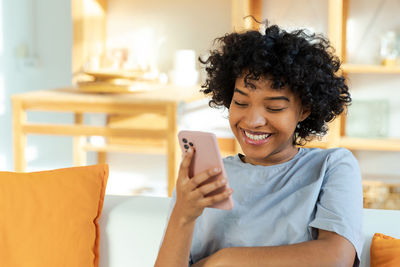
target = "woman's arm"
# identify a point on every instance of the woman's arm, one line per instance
(175, 249)
(190, 203)
(329, 250)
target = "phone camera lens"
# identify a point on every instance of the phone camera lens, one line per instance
(186, 146)
(190, 143)
(184, 140)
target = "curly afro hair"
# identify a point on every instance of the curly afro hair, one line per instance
(303, 62)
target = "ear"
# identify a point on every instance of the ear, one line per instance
(304, 113)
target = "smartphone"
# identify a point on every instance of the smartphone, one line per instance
(206, 156)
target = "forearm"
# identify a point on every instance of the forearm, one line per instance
(175, 249)
(311, 253)
(191, 200)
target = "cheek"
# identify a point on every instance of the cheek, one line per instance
(288, 124)
(233, 117)
(284, 122)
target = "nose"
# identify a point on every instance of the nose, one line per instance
(254, 118)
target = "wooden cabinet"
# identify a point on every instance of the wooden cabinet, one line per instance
(338, 18)
(89, 31)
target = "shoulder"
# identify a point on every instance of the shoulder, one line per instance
(341, 168)
(330, 156)
(333, 165)
(339, 153)
(342, 158)
(327, 153)
(333, 156)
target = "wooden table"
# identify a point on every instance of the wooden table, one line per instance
(160, 100)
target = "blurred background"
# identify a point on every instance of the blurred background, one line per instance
(49, 44)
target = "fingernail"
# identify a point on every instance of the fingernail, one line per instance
(216, 170)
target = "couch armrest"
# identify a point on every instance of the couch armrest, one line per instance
(378, 221)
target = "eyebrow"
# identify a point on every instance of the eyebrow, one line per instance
(265, 98)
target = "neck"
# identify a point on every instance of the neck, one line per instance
(273, 159)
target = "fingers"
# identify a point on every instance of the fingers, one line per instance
(187, 159)
(209, 201)
(210, 187)
(195, 181)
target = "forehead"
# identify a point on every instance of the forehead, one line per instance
(263, 86)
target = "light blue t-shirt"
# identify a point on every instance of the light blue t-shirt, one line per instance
(285, 203)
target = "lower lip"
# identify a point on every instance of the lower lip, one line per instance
(255, 142)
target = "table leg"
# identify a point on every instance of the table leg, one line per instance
(79, 153)
(19, 137)
(102, 155)
(173, 152)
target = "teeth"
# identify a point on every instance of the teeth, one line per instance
(256, 137)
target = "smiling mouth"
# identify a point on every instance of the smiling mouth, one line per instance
(256, 137)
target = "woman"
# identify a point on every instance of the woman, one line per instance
(294, 206)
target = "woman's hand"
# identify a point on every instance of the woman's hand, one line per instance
(190, 197)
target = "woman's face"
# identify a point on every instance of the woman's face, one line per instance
(263, 121)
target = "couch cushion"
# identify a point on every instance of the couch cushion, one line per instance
(385, 251)
(131, 230)
(50, 218)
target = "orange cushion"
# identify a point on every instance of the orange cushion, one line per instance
(385, 251)
(50, 218)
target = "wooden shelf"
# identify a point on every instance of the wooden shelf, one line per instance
(353, 143)
(316, 144)
(367, 69)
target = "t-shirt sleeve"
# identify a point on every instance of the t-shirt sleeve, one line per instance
(340, 201)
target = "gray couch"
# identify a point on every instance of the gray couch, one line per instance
(132, 227)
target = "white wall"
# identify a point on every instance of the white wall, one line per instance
(44, 28)
(294, 14)
(177, 24)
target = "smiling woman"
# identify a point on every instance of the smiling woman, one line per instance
(293, 206)
(263, 121)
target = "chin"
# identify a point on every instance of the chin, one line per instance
(256, 152)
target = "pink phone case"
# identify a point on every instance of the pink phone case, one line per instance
(207, 156)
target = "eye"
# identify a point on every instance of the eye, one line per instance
(239, 104)
(275, 109)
